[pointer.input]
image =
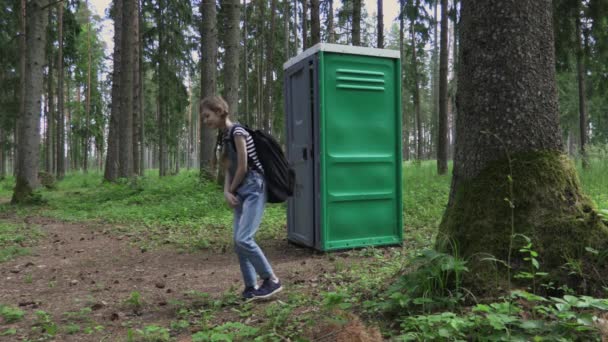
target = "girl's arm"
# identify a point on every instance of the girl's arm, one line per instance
(241, 156)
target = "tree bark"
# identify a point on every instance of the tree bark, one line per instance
(582, 103)
(356, 22)
(112, 155)
(60, 136)
(87, 134)
(442, 141)
(331, 35)
(286, 18)
(419, 143)
(380, 25)
(305, 24)
(125, 151)
(268, 97)
(509, 146)
(137, 109)
(208, 81)
(315, 23)
(141, 72)
(406, 133)
(22, 65)
(48, 142)
(29, 120)
(246, 64)
(231, 69)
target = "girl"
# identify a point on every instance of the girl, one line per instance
(245, 192)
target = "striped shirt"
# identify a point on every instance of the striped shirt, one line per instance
(252, 156)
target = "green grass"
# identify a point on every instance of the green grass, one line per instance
(6, 187)
(179, 210)
(14, 239)
(425, 195)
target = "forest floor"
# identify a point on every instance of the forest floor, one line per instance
(152, 260)
(84, 277)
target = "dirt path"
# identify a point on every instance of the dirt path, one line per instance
(78, 266)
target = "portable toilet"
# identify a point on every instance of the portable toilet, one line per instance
(343, 117)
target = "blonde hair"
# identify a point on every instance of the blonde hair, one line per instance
(216, 104)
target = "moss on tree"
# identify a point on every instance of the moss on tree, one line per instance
(548, 207)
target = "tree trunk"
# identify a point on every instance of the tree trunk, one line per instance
(29, 120)
(137, 109)
(582, 105)
(406, 133)
(509, 146)
(60, 136)
(356, 22)
(419, 143)
(315, 23)
(433, 125)
(87, 123)
(286, 17)
(68, 128)
(331, 35)
(48, 142)
(112, 158)
(125, 151)
(141, 72)
(246, 64)
(442, 141)
(22, 65)
(295, 25)
(305, 24)
(208, 82)
(380, 25)
(232, 42)
(269, 70)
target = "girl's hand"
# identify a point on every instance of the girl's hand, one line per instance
(231, 199)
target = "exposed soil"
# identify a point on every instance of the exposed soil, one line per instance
(84, 265)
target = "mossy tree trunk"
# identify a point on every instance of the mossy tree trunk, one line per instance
(508, 128)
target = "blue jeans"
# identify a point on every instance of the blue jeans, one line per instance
(247, 218)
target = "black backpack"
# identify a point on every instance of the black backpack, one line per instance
(280, 177)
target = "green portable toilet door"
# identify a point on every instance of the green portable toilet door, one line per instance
(360, 138)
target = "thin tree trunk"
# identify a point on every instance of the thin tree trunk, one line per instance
(295, 25)
(68, 128)
(87, 133)
(60, 136)
(286, 17)
(137, 109)
(112, 155)
(268, 112)
(140, 65)
(208, 82)
(582, 103)
(442, 142)
(380, 25)
(231, 69)
(406, 133)
(419, 154)
(29, 121)
(22, 64)
(315, 23)
(305, 24)
(331, 35)
(49, 114)
(246, 64)
(356, 22)
(125, 152)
